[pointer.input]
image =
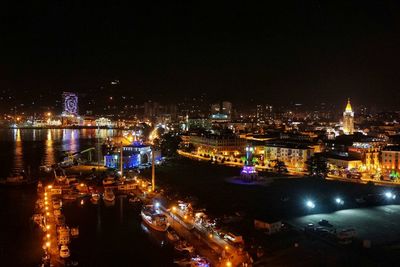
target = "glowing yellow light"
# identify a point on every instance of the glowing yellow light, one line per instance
(45, 193)
(48, 235)
(185, 217)
(173, 209)
(47, 208)
(46, 202)
(82, 185)
(348, 106)
(48, 213)
(49, 114)
(47, 244)
(228, 264)
(210, 235)
(50, 187)
(47, 227)
(226, 247)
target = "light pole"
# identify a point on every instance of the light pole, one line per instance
(153, 170)
(121, 160)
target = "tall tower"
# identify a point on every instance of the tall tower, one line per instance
(348, 119)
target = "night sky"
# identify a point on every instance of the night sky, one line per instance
(285, 51)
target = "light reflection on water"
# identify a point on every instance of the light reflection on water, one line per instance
(30, 148)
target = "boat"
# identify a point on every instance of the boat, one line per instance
(172, 235)
(154, 218)
(64, 252)
(95, 198)
(75, 231)
(135, 200)
(108, 181)
(70, 196)
(39, 187)
(37, 218)
(183, 245)
(109, 195)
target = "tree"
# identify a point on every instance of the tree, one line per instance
(317, 165)
(279, 166)
(189, 148)
(169, 144)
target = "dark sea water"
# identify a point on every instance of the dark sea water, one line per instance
(109, 235)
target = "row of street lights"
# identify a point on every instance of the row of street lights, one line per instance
(310, 204)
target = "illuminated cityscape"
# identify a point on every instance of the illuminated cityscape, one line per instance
(182, 134)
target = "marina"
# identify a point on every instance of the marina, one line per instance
(107, 216)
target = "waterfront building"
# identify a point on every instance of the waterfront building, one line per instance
(348, 119)
(343, 161)
(391, 158)
(217, 144)
(293, 155)
(367, 152)
(135, 155)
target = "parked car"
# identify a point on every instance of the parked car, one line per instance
(325, 223)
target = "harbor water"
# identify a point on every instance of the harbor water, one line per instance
(109, 235)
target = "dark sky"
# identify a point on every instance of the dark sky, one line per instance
(302, 51)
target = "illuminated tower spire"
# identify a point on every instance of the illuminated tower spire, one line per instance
(348, 119)
(348, 106)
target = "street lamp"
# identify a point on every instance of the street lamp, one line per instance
(339, 201)
(310, 204)
(390, 195)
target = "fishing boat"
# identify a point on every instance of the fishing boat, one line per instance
(109, 195)
(154, 218)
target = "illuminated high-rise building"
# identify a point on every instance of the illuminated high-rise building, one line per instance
(348, 119)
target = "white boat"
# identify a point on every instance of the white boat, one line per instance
(64, 252)
(109, 195)
(108, 181)
(154, 218)
(95, 197)
(172, 235)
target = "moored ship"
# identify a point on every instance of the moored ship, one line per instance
(154, 218)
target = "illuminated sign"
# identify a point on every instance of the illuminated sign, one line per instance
(70, 103)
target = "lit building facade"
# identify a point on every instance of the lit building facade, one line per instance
(264, 114)
(217, 144)
(391, 158)
(134, 156)
(348, 119)
(293, 155)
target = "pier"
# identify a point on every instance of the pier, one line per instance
(207, 242)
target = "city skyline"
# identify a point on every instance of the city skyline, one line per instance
(278, 52)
